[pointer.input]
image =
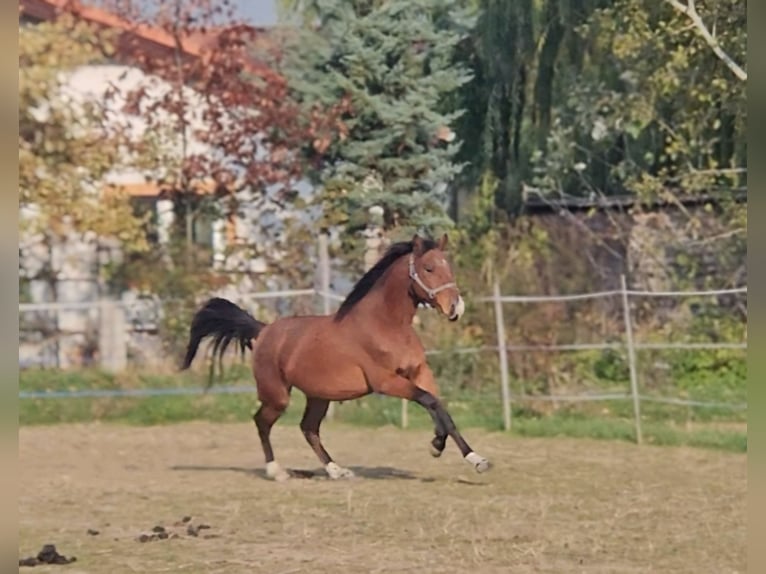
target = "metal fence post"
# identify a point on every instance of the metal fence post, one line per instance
(503, 353)
(631, 359)
(324, 285)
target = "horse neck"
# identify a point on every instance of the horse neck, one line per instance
(389, 301)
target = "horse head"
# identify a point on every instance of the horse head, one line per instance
(432, 279)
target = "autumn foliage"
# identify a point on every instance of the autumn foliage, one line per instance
(226, 94)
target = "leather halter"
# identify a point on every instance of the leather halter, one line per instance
(429, 291)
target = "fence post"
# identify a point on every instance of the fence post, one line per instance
(324, 273)
(112, 336)
(503, 352)
(324, 285)
(631, 359)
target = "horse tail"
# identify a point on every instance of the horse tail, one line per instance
(224, 322)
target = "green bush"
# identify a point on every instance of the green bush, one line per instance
(612, 366)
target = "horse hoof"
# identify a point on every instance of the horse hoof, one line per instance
(435, 452)
(276, 472)
(480, 464)
(337, 472)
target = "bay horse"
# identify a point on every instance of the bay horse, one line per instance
(368, 346)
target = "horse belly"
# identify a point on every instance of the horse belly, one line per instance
(319, 369)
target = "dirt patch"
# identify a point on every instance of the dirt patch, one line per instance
(548, 505)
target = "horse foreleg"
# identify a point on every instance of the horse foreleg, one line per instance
(427, 395)
(433, 405)
(315, 411)
(439, 442)
(424, 380)
(401, 387)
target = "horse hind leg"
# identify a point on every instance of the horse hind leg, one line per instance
(315, 411)
(273, 404)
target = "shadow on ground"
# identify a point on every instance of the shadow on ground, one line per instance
(369, 472)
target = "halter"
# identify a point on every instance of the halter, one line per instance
(416, 278)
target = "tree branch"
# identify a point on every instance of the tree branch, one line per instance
(690, 10)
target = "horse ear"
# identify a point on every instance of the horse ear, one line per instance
(443, 242)
(417, 245)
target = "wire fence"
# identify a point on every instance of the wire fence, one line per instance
(112, 310)
(629, 344)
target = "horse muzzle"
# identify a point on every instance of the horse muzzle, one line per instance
(456, 309)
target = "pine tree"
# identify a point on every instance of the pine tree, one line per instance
(393, 61)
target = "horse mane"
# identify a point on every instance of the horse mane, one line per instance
(369, 279)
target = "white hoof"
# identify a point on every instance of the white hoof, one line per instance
(276, 472)
(435, 452)
(335, 472)
(480, 464)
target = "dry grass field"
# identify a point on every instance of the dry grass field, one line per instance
(548, 505)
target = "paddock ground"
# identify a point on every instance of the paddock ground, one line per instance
(548, 505)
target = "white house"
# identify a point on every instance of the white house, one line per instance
(77, 260)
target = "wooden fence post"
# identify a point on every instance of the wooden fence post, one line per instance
(631, 359)
(503, 355)
(324, 285)
(112, 336)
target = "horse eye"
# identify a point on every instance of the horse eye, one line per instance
(428, 269)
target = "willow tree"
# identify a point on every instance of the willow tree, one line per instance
(654, 110)
(591, 89)
(522, 54)
(614, 97)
